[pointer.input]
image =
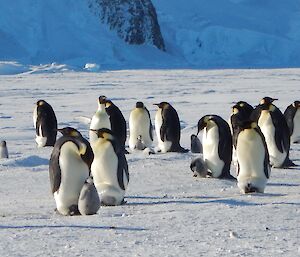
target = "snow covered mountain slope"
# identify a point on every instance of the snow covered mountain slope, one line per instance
(194, 33)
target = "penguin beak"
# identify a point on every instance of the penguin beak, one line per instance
(156, 104)
(59, 130)
(94, 130)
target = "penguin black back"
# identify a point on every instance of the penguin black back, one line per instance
(46, 122)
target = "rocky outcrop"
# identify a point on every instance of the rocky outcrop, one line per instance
(135, 21)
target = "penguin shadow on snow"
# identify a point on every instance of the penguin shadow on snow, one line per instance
(155, 200)
(72, 227)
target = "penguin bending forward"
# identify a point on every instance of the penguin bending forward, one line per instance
(275, 129)
(217, 145)
(253, 169)
(167, 127)
(140, 128)
(69, 168)
(292, 116)
(109, 168)
(45, 124)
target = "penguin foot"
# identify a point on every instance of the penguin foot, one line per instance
(178, 149)
(251, 189)
(73, 210)
(288, 163)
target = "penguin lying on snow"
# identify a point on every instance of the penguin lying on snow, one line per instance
(217, 145)
(253, 169)
(69, 168)
(292, 115)
(140, 128)
(45, 124)
(109, 168)
(275, 129)
(167, 128)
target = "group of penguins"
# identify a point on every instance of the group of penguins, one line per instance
(87, 174)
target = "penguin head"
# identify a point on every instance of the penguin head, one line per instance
(71, 132)
(248, 124)
(266, 104)
(202, 123)
(162, 105)
(108, 103)
(296, 104)
(139, 105)
(102, 99)
(104, 133)
(41, 102)
(3, 143)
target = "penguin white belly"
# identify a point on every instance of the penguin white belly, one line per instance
(139, 125)
(251, 155)
(99, 120)
(34, 116)
(104, 171)
(210, 151)
(39, 139)
(166, 145)
(266, 125)
(74, 173)
(295, 137)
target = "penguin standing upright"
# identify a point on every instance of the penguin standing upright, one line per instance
(109, 168)
(69, 168)
(100, 119)
(275, 129)
(253, 169)
(167, 127)
(3, 150)
(140, 128)
(45, 124)
(117, 122)
(292, 116)
(241, 112)
(217, 145)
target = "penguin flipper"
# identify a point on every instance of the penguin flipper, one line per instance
(150, 127)
(289, 114)
(54, 170)
(122, 169)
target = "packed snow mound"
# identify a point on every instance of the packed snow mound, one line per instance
(196, 33)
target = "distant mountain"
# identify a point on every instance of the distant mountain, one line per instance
(134, 20)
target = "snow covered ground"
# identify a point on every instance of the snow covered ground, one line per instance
(168, 212)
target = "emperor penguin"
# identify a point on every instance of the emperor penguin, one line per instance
(241, 112)
(275, 129)
(253, 169)
(109, 168)
(292, 115)
(217, 145)
(117, 122)
(99, 120)
(3, 150)
(69, 168)
(167, 127)
(140, 128)
(45, 124)
(88, 202)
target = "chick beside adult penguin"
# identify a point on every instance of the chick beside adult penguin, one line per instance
(217, 145)
(140, 128)
(69, 168)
